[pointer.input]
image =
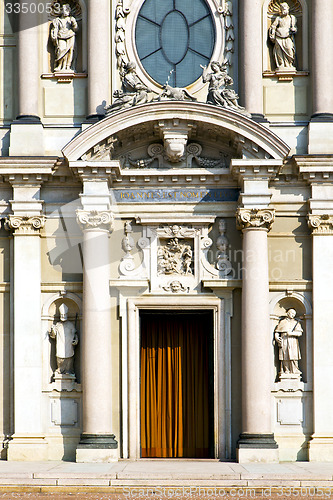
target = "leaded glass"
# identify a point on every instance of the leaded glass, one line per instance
(173, 38)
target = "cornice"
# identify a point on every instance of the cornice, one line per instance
(315, 168)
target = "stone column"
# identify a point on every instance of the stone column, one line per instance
(256, 443)
(321, 125)
(250, 50)
(28, 69)
(26, 134)
(97, 441)
(321, 445)
(28, 442)
(99, 41)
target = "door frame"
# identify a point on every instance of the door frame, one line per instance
(222, 375)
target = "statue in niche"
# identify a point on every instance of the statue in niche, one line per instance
(63, 31)
(286, 336)
(174, 258)
(64, 332)
(218, 93)
(133, 91)
(282, 34)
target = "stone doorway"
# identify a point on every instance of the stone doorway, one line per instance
(176, 384)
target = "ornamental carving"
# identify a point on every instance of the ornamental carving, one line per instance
(223, 263)
(174, 257)
(176, 151)
(25, 224)
(255, 218)
(95, 220)
(321, 224)
(175, 287)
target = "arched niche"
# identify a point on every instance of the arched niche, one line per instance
(299, 9)
(50, 315)
(302, 306)
(79, 11)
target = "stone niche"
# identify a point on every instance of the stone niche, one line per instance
(298, 8)
(292, 399)
(54, 317)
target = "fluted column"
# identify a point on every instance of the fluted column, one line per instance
(256, 441)
(250, 51)
(28, 68)
(97, 441)
(99, 41)
(322, 71)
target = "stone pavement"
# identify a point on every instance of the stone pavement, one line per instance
(125, 475)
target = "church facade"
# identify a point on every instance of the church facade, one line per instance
(166, 230)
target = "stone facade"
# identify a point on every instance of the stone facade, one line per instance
(120, 195)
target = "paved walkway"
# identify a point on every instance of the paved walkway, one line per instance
(124, 475)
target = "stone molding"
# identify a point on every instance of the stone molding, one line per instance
(95, 219)
(255, 218)
(25, 225)
(321, 224)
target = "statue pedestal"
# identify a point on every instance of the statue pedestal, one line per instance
(64, 382)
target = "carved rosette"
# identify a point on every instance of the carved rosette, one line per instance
(321, 224)
(95, 220)
(25, 224)
(255, 218)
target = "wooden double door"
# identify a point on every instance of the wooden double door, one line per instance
(177, 386)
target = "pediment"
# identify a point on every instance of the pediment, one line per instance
(139, 137)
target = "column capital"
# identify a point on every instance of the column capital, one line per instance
(25, 225)
(95, 219)
(254, 218)
(321, 224)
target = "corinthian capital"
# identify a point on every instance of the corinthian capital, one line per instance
(25, 224)
(252, 218)
(94, 219)
(321, 224)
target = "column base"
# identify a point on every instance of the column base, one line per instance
(320, 135)
(97, 448)
(257, 448)
(27, 448)
(321, 449)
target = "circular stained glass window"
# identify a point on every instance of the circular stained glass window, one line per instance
(173, 38)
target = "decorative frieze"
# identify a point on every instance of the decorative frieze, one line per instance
(321, 224)
(27, 225)
(95, 219)
(255, 218)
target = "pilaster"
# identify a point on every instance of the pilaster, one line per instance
(319, 174)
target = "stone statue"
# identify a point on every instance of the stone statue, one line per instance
(282, 34)
(286, 335)
(66, 339)
(63, 31)
(218, 94)
(175, 94)
(133, 91)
